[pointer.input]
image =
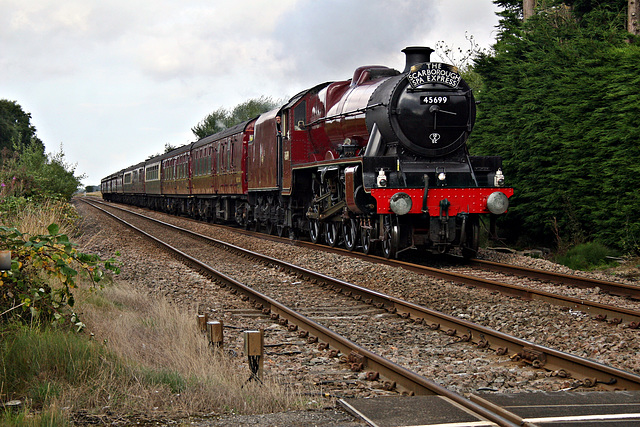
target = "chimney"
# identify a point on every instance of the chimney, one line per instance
(416, 55)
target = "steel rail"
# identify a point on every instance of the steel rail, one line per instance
(620, 289)
(599, 311)
(588, 371)
(403, 378)
(614, 288)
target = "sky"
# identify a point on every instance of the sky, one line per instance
(111, 82)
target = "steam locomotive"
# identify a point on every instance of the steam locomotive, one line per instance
(377, 162)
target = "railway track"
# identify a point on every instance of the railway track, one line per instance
(523, 283)
(614, 288)
(326, 339)
(474, 274)
(456, 330)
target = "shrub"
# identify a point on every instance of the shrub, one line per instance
(588, 256)
(44, 269)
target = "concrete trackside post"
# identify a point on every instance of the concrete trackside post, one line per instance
(202, 321)
(215, 333)
(254, 349)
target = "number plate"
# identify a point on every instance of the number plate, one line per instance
(434, 99)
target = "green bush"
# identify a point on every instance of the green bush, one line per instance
(560, 105)
(588, 256)
(44, 269)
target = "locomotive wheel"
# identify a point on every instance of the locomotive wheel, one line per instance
(331, 234)
(248, 216)
(472, 235)
(282, 230)
(350, 233)
(390, 236)
(314, 230)
(269, 227)
(368, 236)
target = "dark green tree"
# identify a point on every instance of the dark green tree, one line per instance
(42, 175)
(16, 130)
(25, 168)
(250, 109)
(560, 105)
(222, 118)
(213, 123)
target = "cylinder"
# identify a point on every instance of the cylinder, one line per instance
(416, 55)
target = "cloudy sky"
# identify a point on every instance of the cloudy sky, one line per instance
(113, 81)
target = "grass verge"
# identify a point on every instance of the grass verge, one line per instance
(140, 358)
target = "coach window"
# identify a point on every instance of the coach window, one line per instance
(204, 161)
(300, 115)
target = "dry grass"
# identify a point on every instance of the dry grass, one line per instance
(172, 368)
(139, 356)
(34, 219)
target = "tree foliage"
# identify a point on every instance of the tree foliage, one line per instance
(222, 118)
(25, 168)
(560, 105)
(16, 130)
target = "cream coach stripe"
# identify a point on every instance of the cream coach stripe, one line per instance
(583, 418)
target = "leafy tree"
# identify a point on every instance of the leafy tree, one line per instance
(222, 118)
(25, 169)
(169, 147)
(250, 109)
(16, 130)
(582, 7)
(560, 106)
(213, 123)
(34, 173)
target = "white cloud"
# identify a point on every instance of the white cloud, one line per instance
(114, 81)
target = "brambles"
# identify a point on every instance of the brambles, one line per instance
(44, 270)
